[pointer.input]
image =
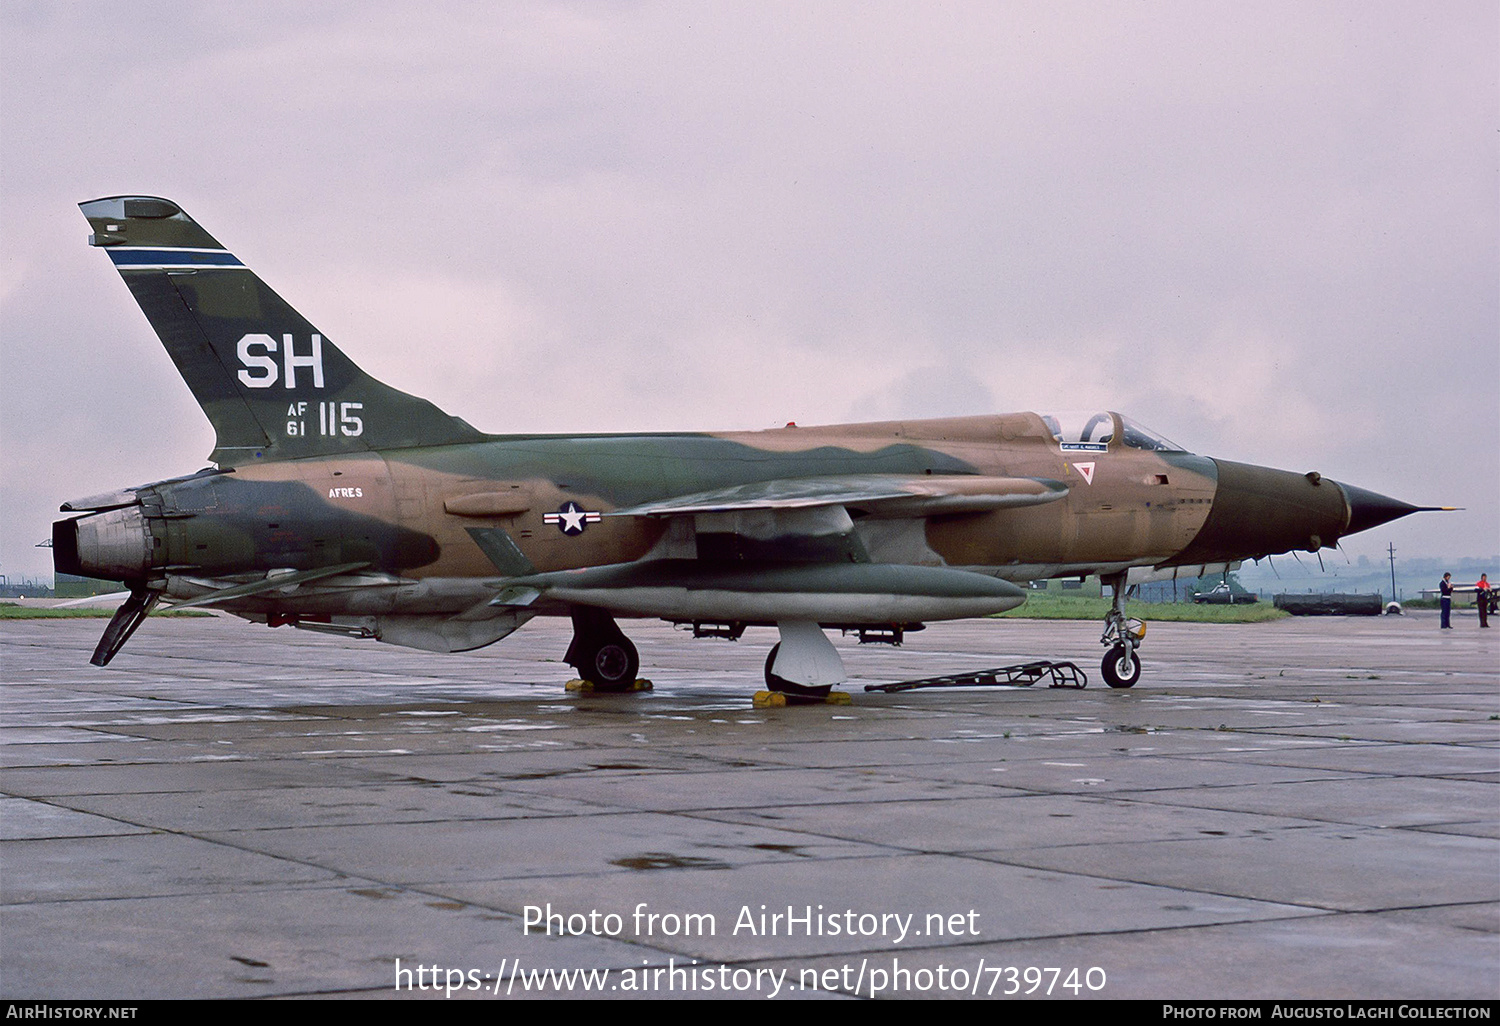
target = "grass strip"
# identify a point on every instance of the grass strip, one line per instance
(1050, 607)
(12, 611)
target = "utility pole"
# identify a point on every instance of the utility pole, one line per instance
(1392, 547)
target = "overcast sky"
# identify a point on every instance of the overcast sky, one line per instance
(1268, 231)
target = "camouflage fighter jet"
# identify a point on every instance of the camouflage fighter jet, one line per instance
(339, 504)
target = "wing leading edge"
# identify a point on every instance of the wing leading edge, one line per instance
(880, 495)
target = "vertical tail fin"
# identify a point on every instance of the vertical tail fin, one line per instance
(272, 385)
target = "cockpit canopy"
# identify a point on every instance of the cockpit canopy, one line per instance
(1094, 431)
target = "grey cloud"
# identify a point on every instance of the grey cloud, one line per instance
(1269, 232)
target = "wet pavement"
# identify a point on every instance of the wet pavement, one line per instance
(1308, 808)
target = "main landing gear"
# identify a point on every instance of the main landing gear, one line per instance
(600, 653)
(803, 665)
(1122, 664)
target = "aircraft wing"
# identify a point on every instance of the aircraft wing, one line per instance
(812, 520)
(880, 495)
(788, 550)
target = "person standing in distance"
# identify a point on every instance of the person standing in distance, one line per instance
(1445, 600)
(1482, 599)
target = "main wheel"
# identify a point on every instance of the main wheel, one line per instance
(786, 687)
(610, 665)
(1120, 670)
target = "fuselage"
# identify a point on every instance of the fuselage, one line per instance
(410, 516)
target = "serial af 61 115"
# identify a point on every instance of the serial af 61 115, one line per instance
(339, 504)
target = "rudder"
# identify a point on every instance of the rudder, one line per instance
(271, 384)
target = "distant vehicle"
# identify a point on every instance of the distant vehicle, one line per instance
(1223, 596)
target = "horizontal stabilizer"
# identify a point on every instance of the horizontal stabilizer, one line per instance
(271, 583)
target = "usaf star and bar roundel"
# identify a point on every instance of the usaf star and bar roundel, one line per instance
(570, 518)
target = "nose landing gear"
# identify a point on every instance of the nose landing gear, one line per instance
(1122, 664)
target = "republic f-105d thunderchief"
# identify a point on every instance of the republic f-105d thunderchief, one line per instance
(337, 503)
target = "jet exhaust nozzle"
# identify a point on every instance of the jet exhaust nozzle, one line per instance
(114, 545)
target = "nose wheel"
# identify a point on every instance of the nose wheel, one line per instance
(1121, 667)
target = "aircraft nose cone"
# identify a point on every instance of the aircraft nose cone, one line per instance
(1258, 512)
(1369, 509)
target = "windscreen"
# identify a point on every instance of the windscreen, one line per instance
(1137, 437)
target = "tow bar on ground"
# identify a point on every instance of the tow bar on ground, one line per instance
(1022, 675)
